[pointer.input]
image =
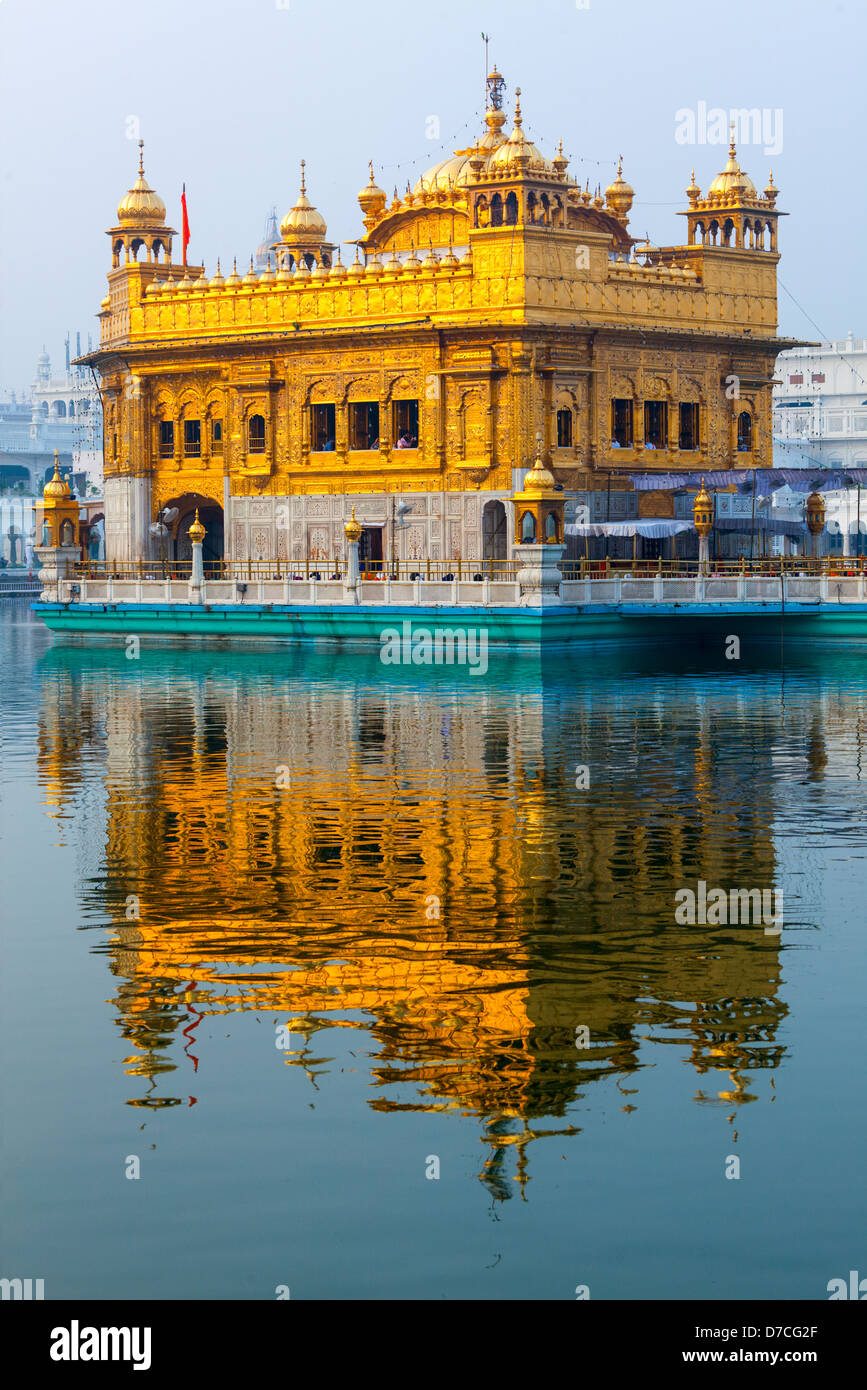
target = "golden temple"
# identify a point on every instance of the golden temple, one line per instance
(493, 306)
(307, 903)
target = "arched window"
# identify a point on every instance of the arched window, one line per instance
(496, 211)
(43, 409)
(745, 432)
(71, 408)
(728, 232)
(66, 534)
(483, 216)
(531, 207)
(256, 434)
(546, 208)
(512, 210)
(551, 527)
(60, 409)
(528, 528)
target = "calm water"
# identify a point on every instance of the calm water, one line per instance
(294, 930)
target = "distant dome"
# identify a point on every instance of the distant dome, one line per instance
(264, 249)
(141, 204)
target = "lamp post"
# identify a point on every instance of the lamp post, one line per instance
(815, 518)
(197, 574)
(352, 532)
(702, 515)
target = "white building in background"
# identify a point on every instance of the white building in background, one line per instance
(820, 406)
(69, 405)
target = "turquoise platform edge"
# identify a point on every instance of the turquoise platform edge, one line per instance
(507, 626)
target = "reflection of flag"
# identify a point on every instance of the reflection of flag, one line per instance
(185, 225)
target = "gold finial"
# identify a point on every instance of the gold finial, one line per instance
(56, 463)
(303, 184)
(352, 529)
(518, 107)
(732, 139)
(197, 530)
(370, 167)
(141, 158)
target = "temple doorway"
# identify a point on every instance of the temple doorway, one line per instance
(211, 517)
(494, 532)
(370, 549)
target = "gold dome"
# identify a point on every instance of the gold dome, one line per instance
(540, 479)
(57, 487)
(141, 206)
(457, 172)
(197, 530)
(732, 182)
(619, 194)
(518, 150)
(352, 528)
(372, 199)
(303, 223)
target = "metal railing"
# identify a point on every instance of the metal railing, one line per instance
(405, 571)
(769, 567)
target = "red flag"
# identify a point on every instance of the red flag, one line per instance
(185, 225)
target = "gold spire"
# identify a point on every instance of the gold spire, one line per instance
(197, 530)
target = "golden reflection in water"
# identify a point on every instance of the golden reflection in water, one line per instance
(311, 903)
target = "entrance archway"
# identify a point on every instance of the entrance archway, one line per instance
(211, 517)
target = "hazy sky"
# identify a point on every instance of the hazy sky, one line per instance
(230, 94)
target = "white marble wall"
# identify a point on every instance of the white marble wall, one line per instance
(440, 526)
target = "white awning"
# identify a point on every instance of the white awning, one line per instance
(652, 528)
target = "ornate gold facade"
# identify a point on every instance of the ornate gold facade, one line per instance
(492, 303)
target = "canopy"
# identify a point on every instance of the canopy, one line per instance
(769, 525)
(767, 480)
(652, 528)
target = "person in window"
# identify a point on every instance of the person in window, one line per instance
(374, 445)
(328, 446)
(615, 444)
(648, 444)
(742, 446)
(404, 441)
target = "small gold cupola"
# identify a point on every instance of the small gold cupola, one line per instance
(141, 222)
(303, 232)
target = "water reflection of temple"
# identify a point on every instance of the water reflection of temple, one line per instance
(317, 899)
